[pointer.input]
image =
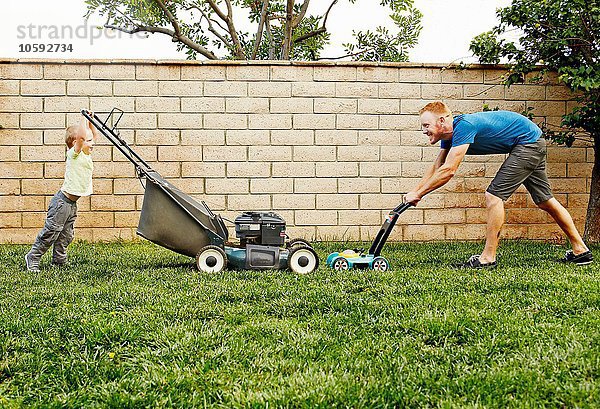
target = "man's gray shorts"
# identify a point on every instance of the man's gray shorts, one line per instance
(526, 164)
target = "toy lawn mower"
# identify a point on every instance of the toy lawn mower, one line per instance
(348, 259)
(174, 220)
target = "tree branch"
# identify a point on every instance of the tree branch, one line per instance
(320, 30)
(170, 17)
(300, 16)
(287, 37)
(239, 52)
(212, 28)
(217, 10)
(347, 55)
(208, 18)
(182, 38)
(270, 38)
(261, 23)
(327, 12)
(309, 35)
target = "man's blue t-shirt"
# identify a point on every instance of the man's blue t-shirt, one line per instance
(492, 132)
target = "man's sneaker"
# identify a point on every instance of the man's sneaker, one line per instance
(31, 266)
(473, 262)
(579, 259)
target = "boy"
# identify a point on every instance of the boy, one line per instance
(62, 211)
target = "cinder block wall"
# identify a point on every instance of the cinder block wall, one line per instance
(330, 147)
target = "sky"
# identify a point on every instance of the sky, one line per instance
(448, 28)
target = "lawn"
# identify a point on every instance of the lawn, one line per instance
(134, 325)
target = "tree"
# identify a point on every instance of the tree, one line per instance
(561, 36)
(284, 30)
(383, 46)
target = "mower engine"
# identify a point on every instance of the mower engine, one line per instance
(263, 246)
(262, 228)
(262, 236)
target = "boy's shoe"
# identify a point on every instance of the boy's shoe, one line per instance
(474, 262)
(579, 259)
(31, 266)
(59, 263)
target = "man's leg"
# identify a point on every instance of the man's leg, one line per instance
(495, 220)
(539, 187)
(565, 222)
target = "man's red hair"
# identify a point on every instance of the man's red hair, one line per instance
(436, 107)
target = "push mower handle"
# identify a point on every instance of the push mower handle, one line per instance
(112, 134)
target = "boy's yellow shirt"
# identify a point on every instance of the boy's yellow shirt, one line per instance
(78, 174)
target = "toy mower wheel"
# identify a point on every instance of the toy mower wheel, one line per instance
(340, 264)
(380, 264)
(302, 259)
(211, 259)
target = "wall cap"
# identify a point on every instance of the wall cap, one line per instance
(321, 63)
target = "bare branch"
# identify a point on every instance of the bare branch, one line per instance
(309, 35)
(182, 38)
(300, 16)
(327, 12)
(170, 17)
(270, 38)
(239, 52)
(347, 55)
(483, 91)
(207, 17)
(124, 15)
(261, 23)
(212, 28)
(287, 38)
(320, 30)
(229, 9)
(217, 10)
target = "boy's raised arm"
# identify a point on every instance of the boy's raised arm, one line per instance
(92, 128)
(79, 139)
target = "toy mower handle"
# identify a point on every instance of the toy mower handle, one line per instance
(402, 207)
(386, 229)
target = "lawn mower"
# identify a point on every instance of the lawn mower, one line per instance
(357, 258)
(174, 220)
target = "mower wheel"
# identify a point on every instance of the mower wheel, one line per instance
(340, 264)
(211, 259)
(380, 264)
(297, 242)
(302, 259)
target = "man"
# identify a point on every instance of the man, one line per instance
(495, 132)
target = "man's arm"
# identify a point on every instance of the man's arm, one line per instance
(439, 161)
(440, 176)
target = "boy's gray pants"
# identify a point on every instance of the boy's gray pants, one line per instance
(58, 230)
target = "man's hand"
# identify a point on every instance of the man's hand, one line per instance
(412, 197)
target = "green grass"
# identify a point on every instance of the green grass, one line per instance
(134, 325)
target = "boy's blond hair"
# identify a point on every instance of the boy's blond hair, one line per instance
(436, 107)
(71, 135)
